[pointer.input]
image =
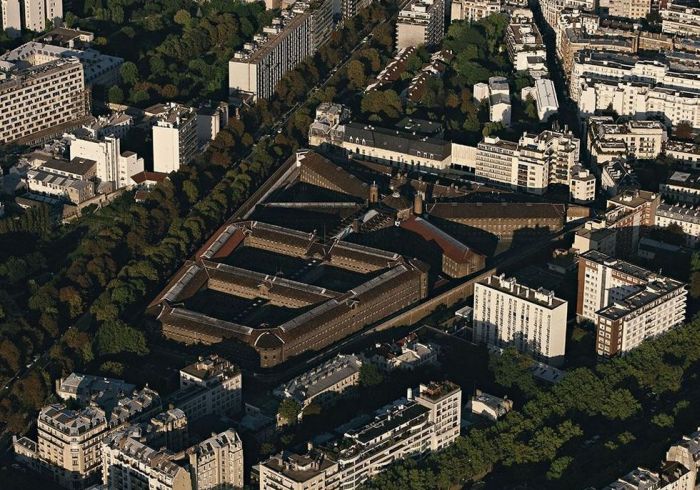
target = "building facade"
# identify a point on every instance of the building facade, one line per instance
(509, 314)
(25, 110)
(174, 138)
(421, 22)
(628, 304)
(686, 217)
(217, 462)
(473, 10)
(608, 140)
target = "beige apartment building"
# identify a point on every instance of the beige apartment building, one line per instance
(211, 385)
(217, 462)
(680, 19)
(509, 314)
(421, 22)
(630, 9)
(474, 10)
(627, 303)
(38, 99)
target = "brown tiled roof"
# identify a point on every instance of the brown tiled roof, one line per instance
(349, 184)
(142, 177)
(449, 245)
(497, 210)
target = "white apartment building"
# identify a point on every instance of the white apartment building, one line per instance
(628, 304)
(609, 141)
(98, 68)
(34, 13)
(421, 22)
(211, 385)
(217, 462)
(685, 216)
(636, 87)
(680, 19)
(293, 36)
(686, 452)
(531, 164)
(582, 185)
(428, 420)
(474, 10)
(174, 138)
(497, 93)
(552, 8)
(25, 94)
(525, 46)
(545, 96)
(323, 382)
(391, 146)
(489, 406)
(72, 181)
(113, 166)
(630, 9)
(509, 314)
(672, 476)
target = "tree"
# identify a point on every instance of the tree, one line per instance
(114, 337)
(356, 74)
(129, 73)
(115, 94)
(289, 410)
(370, 375)
(385, 104)
(684, 130)
(182, 17)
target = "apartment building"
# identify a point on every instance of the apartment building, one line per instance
(474, 10)
(682, 187)
(497, 93)
(608, 140)
(489, 406)
(428, 420)
(617, 175)
(217, 462)
(525, 46)
(25, 112)
(627, 303)
(98, 68)
(211, 118)
(324, 382)
(212, 385)
(421, 22)
(394, 146)
(686, 452)
(685, 152)
(69, 180)
(112, 165)
(551, 9)
(687, 217)
(581, 185)
(29, 14)
(545, 96)
(680, 19)
(68, 447)
(128, 463)
(637, 87)
(296, 34)
(509, 314)
(531, 164)
(174, 137)
(325, 128)
(86, 388)
(631, 213)
(350, 8)
(630, 9)
(671, 476)
(407, 354)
